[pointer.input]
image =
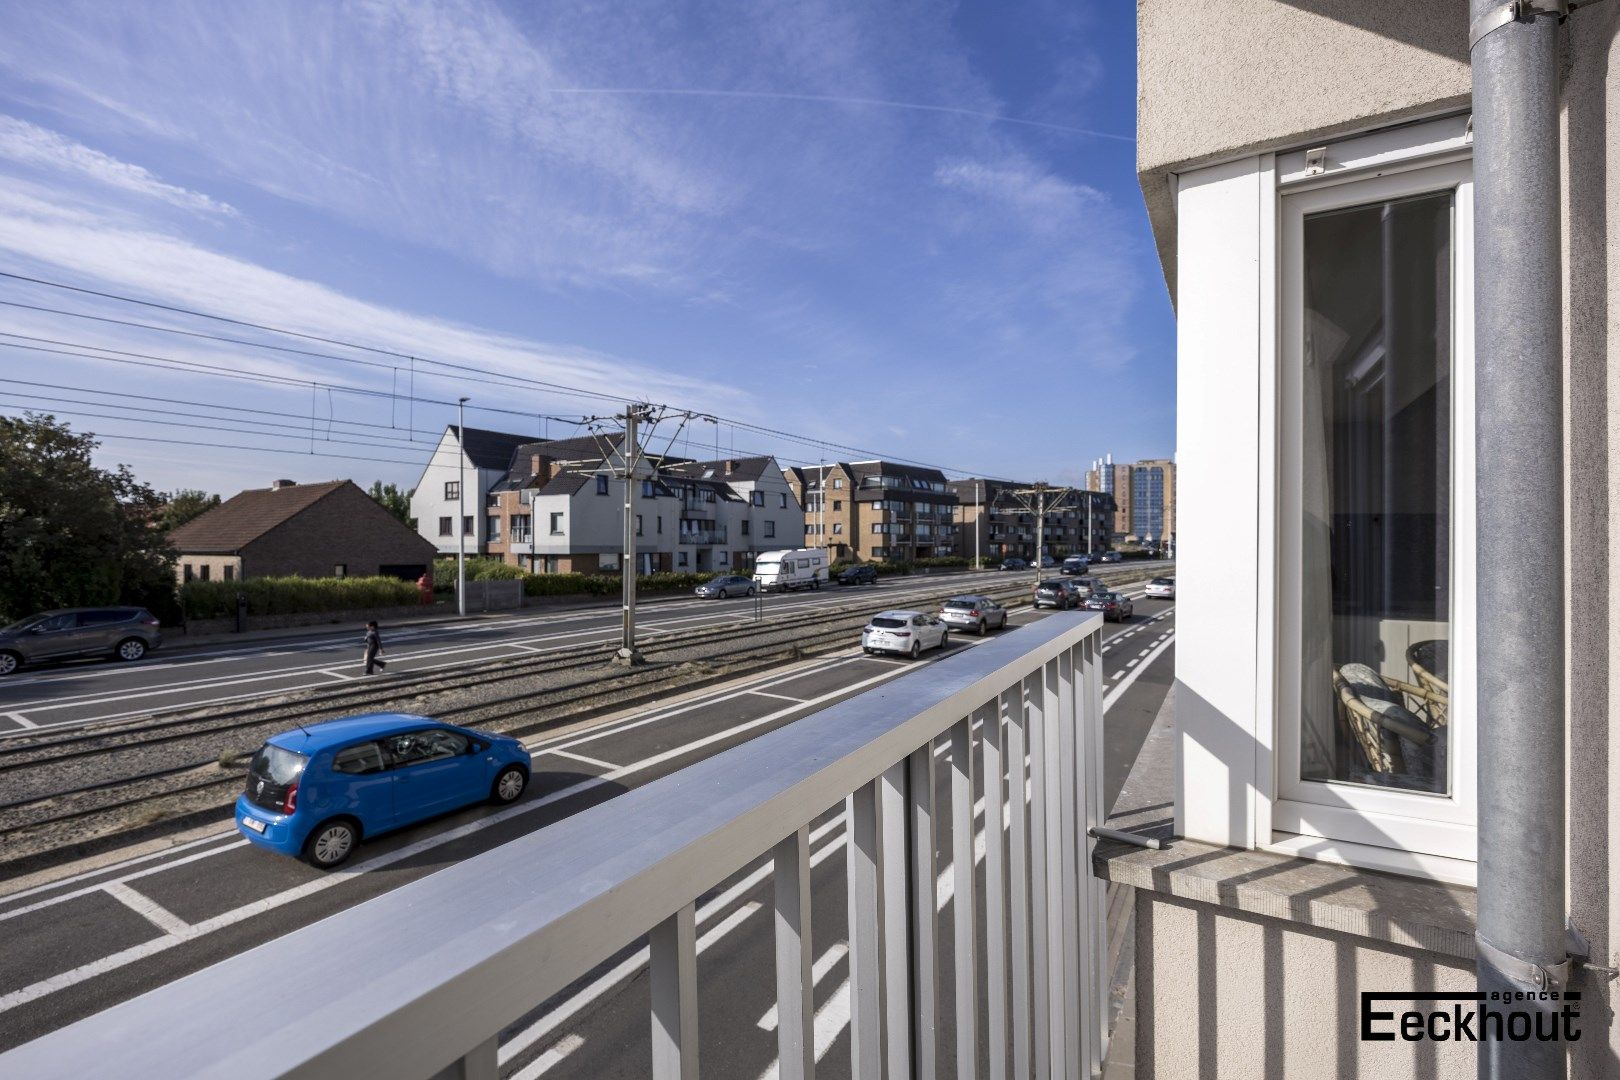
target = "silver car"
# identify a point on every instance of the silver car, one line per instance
(904, 632)
(127, 633)
(726, 586)
(976, 613)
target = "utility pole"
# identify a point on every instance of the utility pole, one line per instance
(1088, 523)
(978, 522)
(461, 507)
(629, 451)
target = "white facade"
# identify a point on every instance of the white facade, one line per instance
(432, 504)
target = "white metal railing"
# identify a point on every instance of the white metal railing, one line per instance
(420, 981)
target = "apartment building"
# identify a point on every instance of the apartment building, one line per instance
(877, 510)
(559, 508)
(1144, 494)
(479, 460)
(996, 523)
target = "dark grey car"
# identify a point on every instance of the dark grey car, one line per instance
(127, 633)
(727, 586)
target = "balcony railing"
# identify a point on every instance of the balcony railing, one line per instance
(704, 536)
(492, 937)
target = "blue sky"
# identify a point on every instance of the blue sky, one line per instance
(805, 215)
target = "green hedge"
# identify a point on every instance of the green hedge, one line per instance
(607, 584)
(294, 595)
(479, 568)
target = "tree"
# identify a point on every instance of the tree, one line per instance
(72, 534)
(183, 505)
(394, 501)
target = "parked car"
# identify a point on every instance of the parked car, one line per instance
(1112, 556)
(1164, 587)
(127, 633)
(1076, 564)
(1088, 585)
(859, 575)
(1057, 593)
(977, 613)
(1047, 561)
(905, 632)
(319, 790)
(727, 586)
(1014, 564)
(1116, 607)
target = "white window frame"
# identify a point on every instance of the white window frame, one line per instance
(1237, 757)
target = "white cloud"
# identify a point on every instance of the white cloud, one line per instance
(37, 147)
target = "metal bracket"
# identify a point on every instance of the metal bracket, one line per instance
(1136, 839)
(1554, 977)
(1316, 161)
(1514, 11)
(1580, 953)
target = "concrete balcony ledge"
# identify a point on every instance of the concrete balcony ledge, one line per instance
(1390, 909)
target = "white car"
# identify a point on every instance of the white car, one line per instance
(905, 632)
(1162, 587)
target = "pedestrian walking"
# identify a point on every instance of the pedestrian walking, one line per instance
(373, 647)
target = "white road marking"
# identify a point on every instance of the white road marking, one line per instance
(19, 719)
(1125, 684)
(831, 1020)
(552, 1057)
(149, 909)
(61, 898)
(780, 697)
(336, 674)
(818, 971)
(600, 764)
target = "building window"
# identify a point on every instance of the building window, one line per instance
(660, 524)
(838, 526)
(550, 564)
(188, 571)
(452, 490)
(723, 558)
(340, 570)
(782, 495)
(230, 573)
(838, 504)
(638, 524)
(202, 571)
(601, 484)
(770, 530)
(745, 527)
(647, 489)
(556, 524)
(680, 559)
(838, 483)
(492, 529)
(445, 528)
(467, 525)
(757, 498)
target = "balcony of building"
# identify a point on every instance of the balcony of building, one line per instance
(693, 532)
(991, 897)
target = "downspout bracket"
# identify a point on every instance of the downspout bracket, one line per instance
(1523, 972)
(1514, 11)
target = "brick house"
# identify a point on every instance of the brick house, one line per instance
(331, 529)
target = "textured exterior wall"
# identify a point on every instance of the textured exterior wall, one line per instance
(1225, 994)
(216, 567)
(347, 526)
(1330, 66)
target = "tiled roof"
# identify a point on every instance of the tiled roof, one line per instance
(237, 522)
(490, 449)
(740, 470)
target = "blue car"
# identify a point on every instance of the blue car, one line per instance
(317, 791)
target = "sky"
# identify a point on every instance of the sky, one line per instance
(908, 229)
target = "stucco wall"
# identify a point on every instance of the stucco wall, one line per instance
(1224, 994)
(1329, 66)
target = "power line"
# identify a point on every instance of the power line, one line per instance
(507, 379)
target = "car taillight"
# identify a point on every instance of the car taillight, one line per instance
(290, 803)
(974, 613)
(149, 622)
(902, 633)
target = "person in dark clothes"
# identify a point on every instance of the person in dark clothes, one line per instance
(373, 647)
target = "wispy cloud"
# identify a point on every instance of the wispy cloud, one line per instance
(40, 148)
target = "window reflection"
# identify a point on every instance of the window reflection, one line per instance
(1376, 494)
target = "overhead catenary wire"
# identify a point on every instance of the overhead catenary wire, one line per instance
(504, 378)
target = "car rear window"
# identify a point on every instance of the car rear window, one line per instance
(960, 605)
(887, 623)
(278, 765)
(1161, 581)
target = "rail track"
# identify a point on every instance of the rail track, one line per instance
(207, 748)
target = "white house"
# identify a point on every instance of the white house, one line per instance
(480, 461)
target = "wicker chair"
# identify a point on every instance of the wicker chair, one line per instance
(1371, 706)
(1430, 662)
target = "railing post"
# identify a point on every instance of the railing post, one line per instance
(1039, 930)
(1089, 721)
(962, 906)
(1053, 902)
(795, 984)
(896, 920)
(995, 882)
(1071, 842)
(673, 963)
(865, 957)
(1018, 870)
(924, 947)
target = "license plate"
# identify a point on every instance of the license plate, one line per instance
(254, 823)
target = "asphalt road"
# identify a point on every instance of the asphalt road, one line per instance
(82, 692)
(79, 943)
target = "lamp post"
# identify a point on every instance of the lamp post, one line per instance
(461, 508)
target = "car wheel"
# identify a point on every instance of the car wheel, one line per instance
(984, 628)
(944, 639)
(509, 784)
(331, 842)
(131, 649)
(916, 649)
(9, 662)
(750, 591)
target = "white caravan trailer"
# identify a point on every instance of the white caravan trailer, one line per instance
(799, 568)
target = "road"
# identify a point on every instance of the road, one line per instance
(99, 935)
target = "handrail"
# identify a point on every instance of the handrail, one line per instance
(492, 937)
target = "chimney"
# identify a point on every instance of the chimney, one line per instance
(277, 485)
(731, 465)
(540, 467)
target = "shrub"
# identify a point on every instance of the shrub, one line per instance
(608, 584)
(479, 568)
(294, 595)
(943, 562)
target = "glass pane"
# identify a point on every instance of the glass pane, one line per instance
(1376, 470)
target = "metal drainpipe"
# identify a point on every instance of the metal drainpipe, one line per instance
(1519, 443)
